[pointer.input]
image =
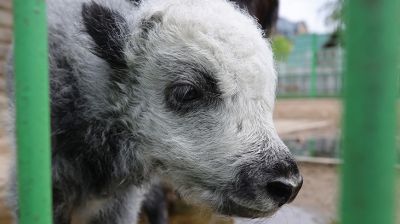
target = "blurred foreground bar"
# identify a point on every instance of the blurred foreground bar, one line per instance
(368, 174)
(32, 107)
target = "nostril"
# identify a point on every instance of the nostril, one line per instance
(280, 191)
(296, 190)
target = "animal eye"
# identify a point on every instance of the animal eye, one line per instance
(185, 93)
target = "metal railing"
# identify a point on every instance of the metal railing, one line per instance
(368, 171)
(32, 112)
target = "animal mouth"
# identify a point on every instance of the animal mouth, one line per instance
(233, 208)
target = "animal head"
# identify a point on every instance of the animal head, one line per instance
(197, 82)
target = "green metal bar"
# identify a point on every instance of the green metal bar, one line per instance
(32, 107)
(314, 60)
(368, 177)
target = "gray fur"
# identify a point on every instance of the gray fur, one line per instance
(117, 126)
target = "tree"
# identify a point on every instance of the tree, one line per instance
(335, 19)
(282, 47)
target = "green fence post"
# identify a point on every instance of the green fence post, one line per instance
(368, 178)
(314, 61)
(32, 111)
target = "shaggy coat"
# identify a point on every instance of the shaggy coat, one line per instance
(178, 89)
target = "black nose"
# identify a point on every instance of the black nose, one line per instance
(284, 190)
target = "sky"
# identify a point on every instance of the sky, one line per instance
(309, 11)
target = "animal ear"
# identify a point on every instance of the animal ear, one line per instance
(265, 11)
(109, 30)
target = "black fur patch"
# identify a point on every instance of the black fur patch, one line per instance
(108, 30)
(265, 11)
(136, 2)
(155, 205)
(207, 93)
(148, 24)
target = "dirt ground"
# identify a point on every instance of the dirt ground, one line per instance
(303, 118)
(310, 118)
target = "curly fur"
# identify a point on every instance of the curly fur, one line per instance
(120, 75)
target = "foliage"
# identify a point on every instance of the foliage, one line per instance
(282, 47)
(335, 18)
(335, 13)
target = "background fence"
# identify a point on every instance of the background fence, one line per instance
(311, 70)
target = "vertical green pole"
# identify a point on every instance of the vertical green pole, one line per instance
(368, 180)
(314, 61)
(32, 107)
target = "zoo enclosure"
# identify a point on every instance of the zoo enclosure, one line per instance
(369, 112)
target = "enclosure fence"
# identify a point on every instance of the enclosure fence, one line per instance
(311, 70)
(32, 112)
(371, 75)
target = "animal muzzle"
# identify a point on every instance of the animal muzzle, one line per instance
(285, 182)
(278, 182)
